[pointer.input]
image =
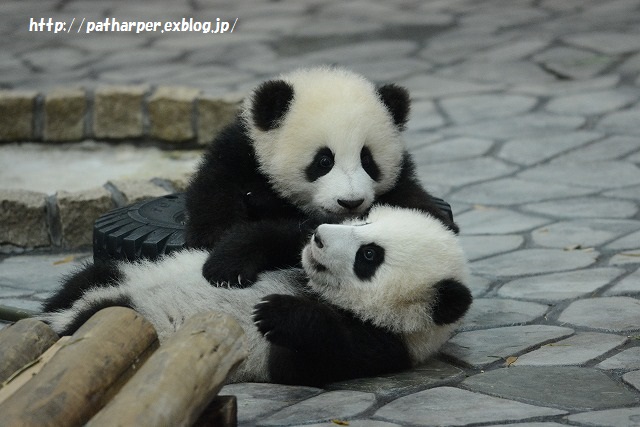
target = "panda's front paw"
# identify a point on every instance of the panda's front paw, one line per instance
(273, 318)
(221, 271)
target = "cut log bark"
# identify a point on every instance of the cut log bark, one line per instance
(22, 343)
(80, 377)
(181, 378)
(28, 371)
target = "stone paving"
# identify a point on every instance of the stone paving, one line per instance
(525, 118)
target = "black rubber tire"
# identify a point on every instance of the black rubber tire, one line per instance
(147, 229)
(152, 228)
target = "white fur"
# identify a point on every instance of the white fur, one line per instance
(340, 110)
(419, 252)
(169, 291)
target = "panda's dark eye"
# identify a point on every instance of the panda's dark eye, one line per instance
(368, 259)
(369, 254)
(325, 162)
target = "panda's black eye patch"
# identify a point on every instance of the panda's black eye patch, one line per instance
(368, 164)
(321, 164)
(368, 259)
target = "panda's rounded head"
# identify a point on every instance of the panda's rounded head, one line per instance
(399, 269)
(327, 139)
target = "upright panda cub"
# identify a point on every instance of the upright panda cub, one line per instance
(314, 146)
(377, 295)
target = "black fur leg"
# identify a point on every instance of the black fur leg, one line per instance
(81, 317)
(224, 269)
(98, 274)
(315, 344)
(452, 301)
(246, 250)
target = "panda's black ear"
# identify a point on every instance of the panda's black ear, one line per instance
(270, 103)
(451, 301)
(396, 99)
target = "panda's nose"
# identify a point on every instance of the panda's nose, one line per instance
(317, 240)
(350, 204)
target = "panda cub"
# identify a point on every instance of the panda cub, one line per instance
(314, 146)
(376, 295)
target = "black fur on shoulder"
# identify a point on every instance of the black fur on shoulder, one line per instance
(452, 301)
(408, 193)
(247, 249)
(397, 101)
(98, 274)
(314, 343)
(270, 103)
(229, 189)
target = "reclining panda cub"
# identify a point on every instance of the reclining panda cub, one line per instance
(377, 294)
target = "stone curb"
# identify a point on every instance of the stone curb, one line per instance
(170, 114)
(31, 220)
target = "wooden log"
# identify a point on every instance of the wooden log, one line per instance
(27, 372)
(22, 343)
(180, 379)
(76, 382)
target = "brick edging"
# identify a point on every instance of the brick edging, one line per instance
(175, 114)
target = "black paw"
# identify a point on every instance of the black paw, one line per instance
(222, 270)
(273, 317)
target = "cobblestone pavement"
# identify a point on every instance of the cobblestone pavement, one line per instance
(525, 118)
